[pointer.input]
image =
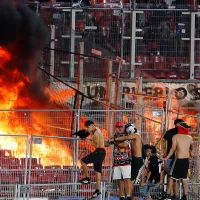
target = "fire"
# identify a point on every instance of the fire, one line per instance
(14, 94)
(4, 56)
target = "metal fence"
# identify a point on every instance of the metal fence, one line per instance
(47, 164)
(155, 42)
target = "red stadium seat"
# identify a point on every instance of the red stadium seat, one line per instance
(61, 179)
(33, 161)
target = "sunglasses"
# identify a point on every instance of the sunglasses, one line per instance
(119, 126)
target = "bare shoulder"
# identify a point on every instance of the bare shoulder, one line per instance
(190, 137)
(98, 132)
(175, 136)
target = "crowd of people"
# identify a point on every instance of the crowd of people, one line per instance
(135, 163)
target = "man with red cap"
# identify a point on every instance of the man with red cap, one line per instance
(122, 162)
(182, 145)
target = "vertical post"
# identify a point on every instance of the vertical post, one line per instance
(117, 86)
(133, 44)
(26, 163)
(192, 45)
(52, 53)
(80, 73)
(169, 109)
(30, 163)
(80, 68)
(108, 83)
(37, 9)
(72, 42)
(139, 108)
(122, 32)
(108, 90)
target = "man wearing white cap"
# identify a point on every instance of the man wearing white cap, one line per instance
(136, 149)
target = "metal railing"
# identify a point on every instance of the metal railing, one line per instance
(48, 165)
(155, 43)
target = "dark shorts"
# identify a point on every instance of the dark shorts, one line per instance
(179, 169)
(136, 166)
(96, 157)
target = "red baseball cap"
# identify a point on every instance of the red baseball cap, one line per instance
(118, 124)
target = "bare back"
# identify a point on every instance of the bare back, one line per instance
(98, 139)
(183, 145)
(136, 146)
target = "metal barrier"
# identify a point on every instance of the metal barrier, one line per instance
(54, 160)
(162, 44)
(57, 191)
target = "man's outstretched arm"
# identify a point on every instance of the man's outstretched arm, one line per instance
(128, 137)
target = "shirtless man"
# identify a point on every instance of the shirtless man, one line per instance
(182, 145)
(136, 149)
(96, 157)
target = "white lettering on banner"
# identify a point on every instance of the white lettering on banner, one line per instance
(183, 91)
(190, 92)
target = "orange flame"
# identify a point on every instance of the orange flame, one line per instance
(29, 122)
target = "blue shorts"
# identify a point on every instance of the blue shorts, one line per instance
(169, 164)
(146, 189)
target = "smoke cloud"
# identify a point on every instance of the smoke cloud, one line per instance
(23, 35)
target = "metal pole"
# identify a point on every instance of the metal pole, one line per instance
(169, 109)
(52, 52)
(108, 90)
(80, 67)
(30, 163)
(77, 147)
(72, 42)
(122, 32)
(80, 73)
(26, 162)
(192, 45)
(133, 44)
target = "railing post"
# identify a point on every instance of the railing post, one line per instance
(133, 43)
(192, 45)
(72, 42)
(108, 92)
(52, 52)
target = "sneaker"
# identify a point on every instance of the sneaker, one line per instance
(167, 197)
(184, 198)
(175, 198)
(96, 194)
(85, 180)
(128, 198)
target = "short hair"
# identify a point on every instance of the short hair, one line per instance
(147, 146)
(88, 123)
(178, 121)
(153, 149)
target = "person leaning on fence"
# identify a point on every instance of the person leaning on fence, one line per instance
(96, 157)
(182, 145)
(136, 149)
(167, 144)
(122, 162)
(154, 175)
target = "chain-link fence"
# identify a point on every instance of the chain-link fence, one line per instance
(159, 46)
(53, 160)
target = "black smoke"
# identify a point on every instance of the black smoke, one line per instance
(24, 35)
